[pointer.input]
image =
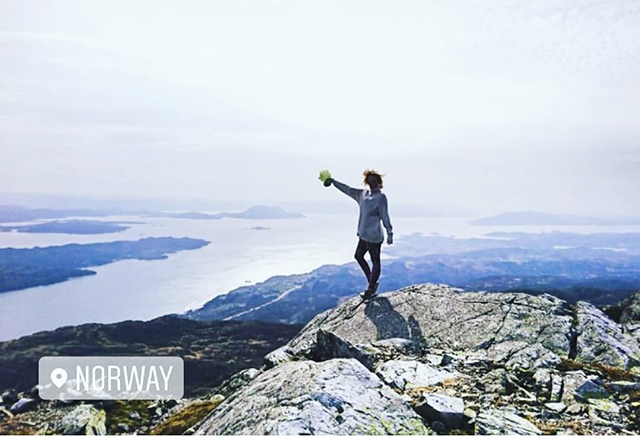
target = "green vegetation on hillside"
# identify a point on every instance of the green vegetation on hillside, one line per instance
(212, 351)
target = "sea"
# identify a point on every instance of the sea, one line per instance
(239, 254)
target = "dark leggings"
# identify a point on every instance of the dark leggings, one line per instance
(374, 251)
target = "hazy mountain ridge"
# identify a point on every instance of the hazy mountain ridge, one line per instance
(526, 218)
(258, 212)
(553, 243)
(14, 213)
(72, 227)
(146, 205)
(533, 263)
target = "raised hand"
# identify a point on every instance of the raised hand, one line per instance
(325, 177)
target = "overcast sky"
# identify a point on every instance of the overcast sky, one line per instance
(490, 105)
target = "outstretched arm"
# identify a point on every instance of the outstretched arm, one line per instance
(354, 193)
(383, 209)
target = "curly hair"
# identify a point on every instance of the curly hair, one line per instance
(368, 173)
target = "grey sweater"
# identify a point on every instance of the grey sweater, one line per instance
(373, 208)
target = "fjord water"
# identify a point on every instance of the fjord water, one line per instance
(136, 289)
(237, 255)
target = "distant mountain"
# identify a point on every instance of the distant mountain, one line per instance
(253, 213)
(264, 212)
(146, 203)
(410, 210)
(343, 206)
(298, 298)
(71, 227)
(189, 215)
(526, 218)
(14, 213)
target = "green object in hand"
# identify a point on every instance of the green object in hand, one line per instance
(325, 177)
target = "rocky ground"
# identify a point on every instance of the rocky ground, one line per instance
(426, 359)
(434, 359)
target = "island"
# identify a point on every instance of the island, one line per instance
(22, 268)
(71, 227)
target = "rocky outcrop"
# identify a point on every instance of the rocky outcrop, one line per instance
(601, 340)
(339, 396)
(627, 313)
(434, 358)
(510, 329)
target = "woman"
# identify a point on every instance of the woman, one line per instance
(373, 209)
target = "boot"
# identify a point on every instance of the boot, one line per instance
(370, 292)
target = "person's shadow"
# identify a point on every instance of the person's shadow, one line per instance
(391, 324)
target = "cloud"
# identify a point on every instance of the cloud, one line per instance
(484, 104)
(54, 78)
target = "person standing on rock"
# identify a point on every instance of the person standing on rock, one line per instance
(373, 209)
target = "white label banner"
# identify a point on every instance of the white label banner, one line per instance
(110, 377)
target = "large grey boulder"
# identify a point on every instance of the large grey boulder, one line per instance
(444, 408)
(601, 340)
(339, 396)
(22, 405)
(514, 330)
(329, 345)
(411, 374)
(438, 316)
(572, 381)
(278, 356)
(504, 422)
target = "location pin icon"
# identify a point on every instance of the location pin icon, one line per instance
(58, 377)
